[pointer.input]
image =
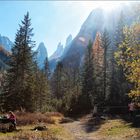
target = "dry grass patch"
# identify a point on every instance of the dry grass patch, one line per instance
(28, 121)
(24, 118)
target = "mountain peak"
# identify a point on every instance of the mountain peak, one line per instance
(93, 24)
(94, 20)
(56, 56)
(59, 46)
(41, 54)
(58, 53)
(68, 40)
(42, 47)
(67, 45)
(4, 58)
(6, 43)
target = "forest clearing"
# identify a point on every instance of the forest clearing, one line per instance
(85, 128)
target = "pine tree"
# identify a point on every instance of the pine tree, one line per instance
(114, 96)
(98, 60)
(105, 43)
(43, 88)
(88, 97)
(47, 68)
(60, 88)
(74, 87)
(17, 91)
(42, 92)
(71, 90)
(57, 80)
(119, 85)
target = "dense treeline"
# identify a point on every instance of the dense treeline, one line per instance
(110, 73)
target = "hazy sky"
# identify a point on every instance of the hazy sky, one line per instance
(52, 21)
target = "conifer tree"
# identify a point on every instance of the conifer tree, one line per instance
(119, 85)
(42, 92)
(47, 68)
(62, 87)
(18, 91)
(74, 90)
(57, 81)
(88, 97)
(105, 43)
(98, 60)
(128, 56)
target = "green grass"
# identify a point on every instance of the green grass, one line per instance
(56, 130)
(118, 130)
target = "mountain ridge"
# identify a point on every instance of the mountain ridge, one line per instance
(4, 58)
(6, 43)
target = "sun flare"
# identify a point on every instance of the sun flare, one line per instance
(106, 5)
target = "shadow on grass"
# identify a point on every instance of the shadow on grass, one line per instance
(135, 121)
(93, 124)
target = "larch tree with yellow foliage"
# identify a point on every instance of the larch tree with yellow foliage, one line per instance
(128, 56)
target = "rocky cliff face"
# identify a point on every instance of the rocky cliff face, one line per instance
(93, 23)
(58, 53)
(41, 55)
(56, 56)
(4, 58)
(67, 46)
(97, 21)
(6, 43)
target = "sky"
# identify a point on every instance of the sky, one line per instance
(52, 21)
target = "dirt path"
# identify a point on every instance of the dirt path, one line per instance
(80, 129)
(77, 130)
(112, 129)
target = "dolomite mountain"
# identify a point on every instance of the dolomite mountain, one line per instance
(41, 55)
(6, 43)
